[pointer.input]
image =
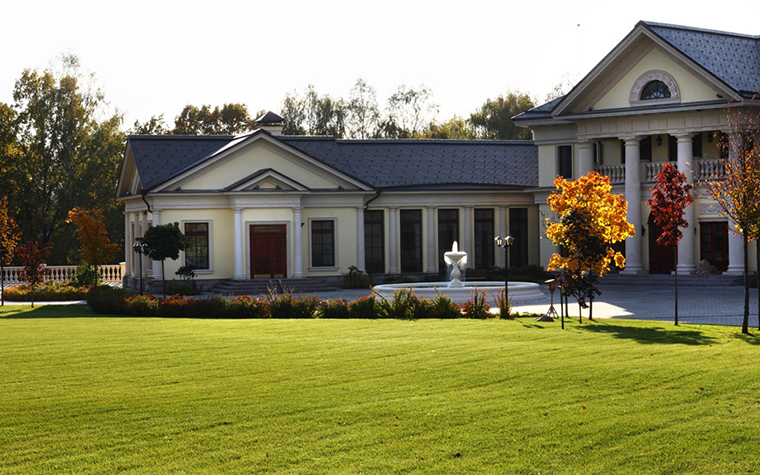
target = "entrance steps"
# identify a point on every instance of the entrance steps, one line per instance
(666, 280)
(262, 286)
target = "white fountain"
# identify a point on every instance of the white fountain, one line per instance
(460, 291)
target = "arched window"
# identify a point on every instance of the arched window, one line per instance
(655, 90)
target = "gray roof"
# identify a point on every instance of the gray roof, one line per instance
(731, 58)
(381, 164)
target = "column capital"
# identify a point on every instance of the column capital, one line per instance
(630, 139)
(684, 136)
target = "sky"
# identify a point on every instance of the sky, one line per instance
(154, 57)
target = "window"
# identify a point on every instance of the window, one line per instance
(411, 240)
(197, 254)
(323, 243)
(374, 248)
(484, 238)
(565, 161)
(655, 90)
(448, 232)
(518, 229)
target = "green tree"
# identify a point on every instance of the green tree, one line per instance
(494, 118)
(671, 194)
(314, 114)
(408, 112)
(163, 242)
(454, 128)
(362, 112)
(230, 119)
(67, 151)
(153, 126)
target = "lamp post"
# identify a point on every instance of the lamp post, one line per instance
(505, 243)
(139, 248)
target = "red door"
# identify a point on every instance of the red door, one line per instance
(268, 251)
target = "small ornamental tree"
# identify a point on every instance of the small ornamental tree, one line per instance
(671, 194)
(97, 249)
(589, 222)
(33, 257)
(9, 237)
(738, 192)
(164, 241)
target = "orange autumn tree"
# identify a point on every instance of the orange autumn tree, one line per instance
(9, 237)
(97, 248)
(588, 222)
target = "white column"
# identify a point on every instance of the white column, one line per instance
(360, 254)
(467, 237)
(504, 217)
(587, 158)
(633, 259)
(735, 241)
(129, 240)
(686, 259)
(143, 228)
(237, 243)
(157, 264)
(431, 257)
(392, 241)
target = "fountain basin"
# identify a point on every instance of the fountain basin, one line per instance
(518, 291)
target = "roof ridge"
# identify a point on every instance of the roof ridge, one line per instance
(700, 30)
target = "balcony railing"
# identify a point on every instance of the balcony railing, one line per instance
(704, 170)
(109, 273)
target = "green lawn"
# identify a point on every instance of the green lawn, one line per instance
(82, 393)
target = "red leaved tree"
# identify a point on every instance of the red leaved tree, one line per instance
(33, 257)
(671, 194)
(9, 237)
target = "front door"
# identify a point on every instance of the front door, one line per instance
(713, 240)
(661, 258)
(268, 251)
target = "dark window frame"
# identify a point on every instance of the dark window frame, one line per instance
(322, 242)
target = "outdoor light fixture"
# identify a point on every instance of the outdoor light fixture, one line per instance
(505, 243)
(140, 248)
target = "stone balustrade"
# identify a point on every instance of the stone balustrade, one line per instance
(108, 273)
(704, 170)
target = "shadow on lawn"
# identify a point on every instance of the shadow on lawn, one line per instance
(47, 311)
(651, 335)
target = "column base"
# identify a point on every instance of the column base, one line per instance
(633, 270)
(686, 269)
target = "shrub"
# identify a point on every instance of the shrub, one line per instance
(504, 306)
(305, 307)
(363, 308)
(356, 279)
(107, 300)
(86, 275)
(477, 306)
(46, 292)
(182, 288)
(141, 305)
(286, 306)
(443, 307)
(246, 307)
(175, 306)
(402, 305)
(333, 309)
(212, 307)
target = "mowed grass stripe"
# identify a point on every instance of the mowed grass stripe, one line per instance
(87, 394)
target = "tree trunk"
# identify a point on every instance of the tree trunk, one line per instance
(2, 285)
(675, 273)
(163, 280)
(745, 320)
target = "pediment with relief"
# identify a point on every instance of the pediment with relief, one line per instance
(267, 181)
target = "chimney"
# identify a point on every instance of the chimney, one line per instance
(271, 122)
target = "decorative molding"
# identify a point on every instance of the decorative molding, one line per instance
(655, 75)
(709, 208)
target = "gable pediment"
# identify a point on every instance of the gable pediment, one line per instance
(616, 82)
(265, 164)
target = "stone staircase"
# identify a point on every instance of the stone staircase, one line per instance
(666, 280)
(262, 286)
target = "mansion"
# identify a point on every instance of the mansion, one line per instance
(264, 205)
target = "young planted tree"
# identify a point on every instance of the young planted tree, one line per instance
(671, 194)
(9, 237)
(97, 249)
(164, 241)
(738, 192)
(589, 222)
(33, 257)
